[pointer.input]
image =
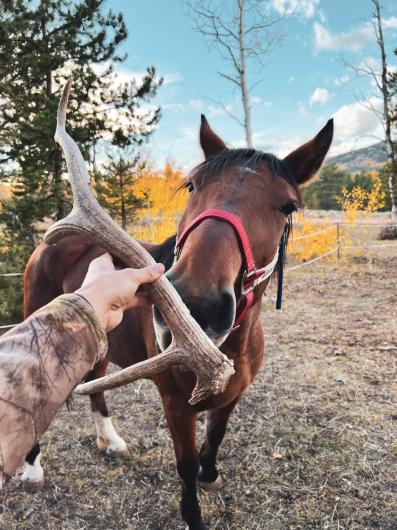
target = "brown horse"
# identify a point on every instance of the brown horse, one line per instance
(259, 190)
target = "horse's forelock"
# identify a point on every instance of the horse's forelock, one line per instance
(248, 159)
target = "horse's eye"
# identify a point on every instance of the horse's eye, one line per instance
(288, 208)
(190, 186)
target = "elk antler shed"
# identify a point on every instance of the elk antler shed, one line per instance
(190, 345)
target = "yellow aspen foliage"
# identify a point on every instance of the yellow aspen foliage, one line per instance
(161, 204)
(359, 202)
(310, 240)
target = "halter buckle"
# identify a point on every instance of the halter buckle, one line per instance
(253, 283)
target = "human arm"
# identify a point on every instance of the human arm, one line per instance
(46, 356)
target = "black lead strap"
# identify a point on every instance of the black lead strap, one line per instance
(280, 271)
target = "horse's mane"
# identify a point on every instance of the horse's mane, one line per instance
(164, 252)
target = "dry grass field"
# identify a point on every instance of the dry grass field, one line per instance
(312, 445)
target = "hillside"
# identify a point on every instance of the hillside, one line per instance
(371, 157)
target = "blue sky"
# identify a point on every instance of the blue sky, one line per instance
(304, 82)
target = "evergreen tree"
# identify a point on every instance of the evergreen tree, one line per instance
(115, 187)
(322, 193)
(42, 43)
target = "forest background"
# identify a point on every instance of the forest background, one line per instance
(44, 43)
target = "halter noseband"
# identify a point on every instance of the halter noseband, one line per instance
(252, 276)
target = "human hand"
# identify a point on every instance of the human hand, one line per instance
(110, 291)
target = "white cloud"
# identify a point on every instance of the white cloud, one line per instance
(172, 77)
(390, 23)
(214, 112)
(304, 8)
(256, 100)
(320, 95)
(353, 40)
(356, 126)
(192, 104)
(342, 80)
(281, 146)
(122, 75)
(195, 104)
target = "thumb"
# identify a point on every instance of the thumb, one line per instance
(146, 275)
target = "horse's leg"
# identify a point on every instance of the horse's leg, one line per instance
(33, 474)
(107, 438)
(181, 420)
(209, 478)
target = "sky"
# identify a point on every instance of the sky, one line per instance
(304, 81)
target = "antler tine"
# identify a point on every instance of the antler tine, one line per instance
(191, 346)
(74, 159)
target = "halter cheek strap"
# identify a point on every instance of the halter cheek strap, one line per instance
(252, 276)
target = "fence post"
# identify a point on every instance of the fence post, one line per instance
(338, 239)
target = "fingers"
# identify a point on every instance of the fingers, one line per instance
(146, 275)
(138, 300)
(101, 264)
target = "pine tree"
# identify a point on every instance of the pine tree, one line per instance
(322, 194)
(115, 187)
(42, 43)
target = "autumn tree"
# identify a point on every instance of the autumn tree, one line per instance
(244, 32)
(162, 202)
(42, 43)
(382, 80)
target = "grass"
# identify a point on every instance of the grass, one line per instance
(311, 446)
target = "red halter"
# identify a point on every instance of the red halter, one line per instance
(251, 275)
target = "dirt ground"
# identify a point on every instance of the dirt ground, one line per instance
(312, 445)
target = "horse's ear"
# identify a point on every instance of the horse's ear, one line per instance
(305, 161)
(210, 142)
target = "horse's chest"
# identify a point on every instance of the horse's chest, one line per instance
(246, 368)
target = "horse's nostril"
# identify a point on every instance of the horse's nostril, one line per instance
(216, 311)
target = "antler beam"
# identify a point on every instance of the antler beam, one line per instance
(190, 345)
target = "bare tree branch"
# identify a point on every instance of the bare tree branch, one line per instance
(226, 110)
(243, 32)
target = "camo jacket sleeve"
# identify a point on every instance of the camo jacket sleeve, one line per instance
(41, 361)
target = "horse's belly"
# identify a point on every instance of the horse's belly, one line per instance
(126, 344)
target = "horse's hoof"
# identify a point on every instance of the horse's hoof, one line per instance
(30, 486)
(211, 486)
(115, 448)
(32, 477)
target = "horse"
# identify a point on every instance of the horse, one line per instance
(240, 205)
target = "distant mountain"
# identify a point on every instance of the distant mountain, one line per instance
(365, 159)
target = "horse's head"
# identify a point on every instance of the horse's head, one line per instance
(262, 191)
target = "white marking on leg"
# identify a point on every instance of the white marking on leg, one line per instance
(107, 438)
(33, 472)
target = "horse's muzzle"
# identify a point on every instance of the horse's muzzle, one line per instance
(214, 311)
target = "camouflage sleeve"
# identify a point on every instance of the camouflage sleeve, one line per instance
(41, 361)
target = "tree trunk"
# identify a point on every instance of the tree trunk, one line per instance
(123, 209)
(243, 78)
(391, 158)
